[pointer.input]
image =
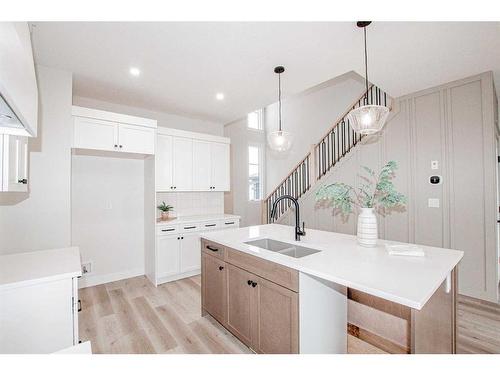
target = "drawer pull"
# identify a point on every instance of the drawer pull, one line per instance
(229, 222)
(193, 227)
(212, 248)
(221, 268)
(254, 284)
(79, 305)
(168, 230)
(210, 225)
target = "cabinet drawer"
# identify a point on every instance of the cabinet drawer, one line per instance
(210, 225)
(166, 230)
(271, 271)
(213, 249)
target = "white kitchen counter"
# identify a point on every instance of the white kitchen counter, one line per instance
(17, 270)
(198, 219)
(409, 281)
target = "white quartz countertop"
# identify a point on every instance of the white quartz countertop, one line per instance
(198, 218)
(18, 270)
(409, 281)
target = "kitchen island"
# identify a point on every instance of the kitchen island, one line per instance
(307, 304)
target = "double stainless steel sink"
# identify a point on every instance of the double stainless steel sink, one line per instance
(284, 248)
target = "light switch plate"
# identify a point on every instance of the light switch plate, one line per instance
(434, 164)
(433, 202)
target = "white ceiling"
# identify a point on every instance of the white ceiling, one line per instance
(185, 64)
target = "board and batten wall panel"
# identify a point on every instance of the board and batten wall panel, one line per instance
(455, 125)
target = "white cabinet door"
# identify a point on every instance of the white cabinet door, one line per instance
(14, 163)
(136, 139)
(95, 134)
(164, 163)
(190, 254)
(202, 164)
(220, 167)
(183, 164)
(167, 248)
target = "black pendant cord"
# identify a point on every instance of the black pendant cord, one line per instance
(279, 100)
(366, 68)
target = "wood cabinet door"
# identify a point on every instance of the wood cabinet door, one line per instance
(190, 252)
(93, 134)
(182, 164)
(202, 165)
(136, 139)
(240, 303)
(214, 297)
(164, 163)
(276, 329)
(220, 167)
(168, 248)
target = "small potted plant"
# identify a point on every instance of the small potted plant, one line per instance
(165, 210)
(375, 193)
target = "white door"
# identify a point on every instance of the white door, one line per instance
(95, 134)
(168, 255)
(190, 254)
(183, 164)
(164, 163)
(16, 162)
(202, 162)
(220, 167)
(136, 139)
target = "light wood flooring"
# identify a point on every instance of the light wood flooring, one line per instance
(132, 316)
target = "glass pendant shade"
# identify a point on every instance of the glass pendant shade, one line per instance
(280, 141)
(368, 119)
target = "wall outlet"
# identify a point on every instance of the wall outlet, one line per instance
(434, 164)
(86, 268)
(433, 203)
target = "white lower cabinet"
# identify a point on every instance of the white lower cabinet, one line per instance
(178, 248)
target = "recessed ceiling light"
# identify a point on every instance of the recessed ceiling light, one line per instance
(219, 96)
(135, 71)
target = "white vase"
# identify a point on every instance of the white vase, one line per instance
(367, 228)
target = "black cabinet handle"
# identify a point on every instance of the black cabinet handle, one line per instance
(182, 238)
(116, 146)
(229, 222)
(121, 146)
(210, 225)
(193, 227)
(254, 284)
(22, 181)
(79, 305)
(221, 268)
(249, 282)
(212, 248)
(168, 230)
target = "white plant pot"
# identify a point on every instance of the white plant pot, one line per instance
(367, 228)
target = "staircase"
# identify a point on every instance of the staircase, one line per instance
(324, 155)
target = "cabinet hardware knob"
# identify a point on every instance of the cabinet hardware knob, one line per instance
(212, 248)
(182, 238)
(254, 284)
(116, 146)
(22, 181)
(249, 282)
(121, 146)
(178, 238)
(221, 268)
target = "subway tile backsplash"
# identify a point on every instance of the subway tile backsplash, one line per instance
(193, 203)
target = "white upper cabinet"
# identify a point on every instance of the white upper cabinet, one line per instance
(164, 163)
(202, 164)
(107, 131)
(188, 161)
(182, 164)
(14, 163)
(18, 85)
(220, 167)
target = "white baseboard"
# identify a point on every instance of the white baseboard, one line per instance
(178, 276)
(90, 280)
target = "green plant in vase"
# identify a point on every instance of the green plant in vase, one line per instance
(165, 210)
(375, 193)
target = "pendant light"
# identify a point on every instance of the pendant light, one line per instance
(369, 118)
(279, 140)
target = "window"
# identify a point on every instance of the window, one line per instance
(254, 120)
(254, 173)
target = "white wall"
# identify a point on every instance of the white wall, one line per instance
(164, 119)
(41, 219)
(308, 116)
(107, 195)
(236, 201)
